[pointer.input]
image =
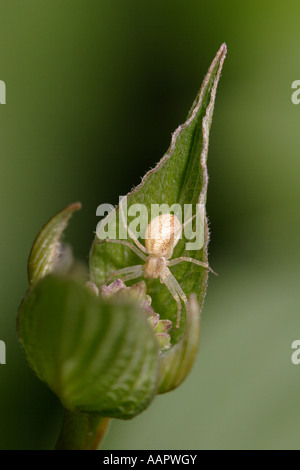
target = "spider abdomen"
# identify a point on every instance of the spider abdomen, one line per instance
(162, 234)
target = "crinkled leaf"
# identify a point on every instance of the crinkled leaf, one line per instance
(180, 177)
(98, 356)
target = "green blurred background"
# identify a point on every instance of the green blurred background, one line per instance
(94, 90)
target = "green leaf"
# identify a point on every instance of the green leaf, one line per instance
(176, 363)
(97, 356)
(47, 249)
(180, 177)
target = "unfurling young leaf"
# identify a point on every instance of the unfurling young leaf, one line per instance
(179, 178)
(47, 248)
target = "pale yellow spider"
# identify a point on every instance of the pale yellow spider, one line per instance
(162, 235)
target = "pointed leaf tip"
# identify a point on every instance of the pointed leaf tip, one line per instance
(47, 248)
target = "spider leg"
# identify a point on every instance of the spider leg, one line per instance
(130, 233)
(128, 273)
(169, 284)
(125, 243)
(175, 289)
(198, 209)
(189, 260)
(132, 276)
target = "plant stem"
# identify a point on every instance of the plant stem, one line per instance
(81, 431)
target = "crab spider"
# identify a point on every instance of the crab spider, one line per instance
(162, 235)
